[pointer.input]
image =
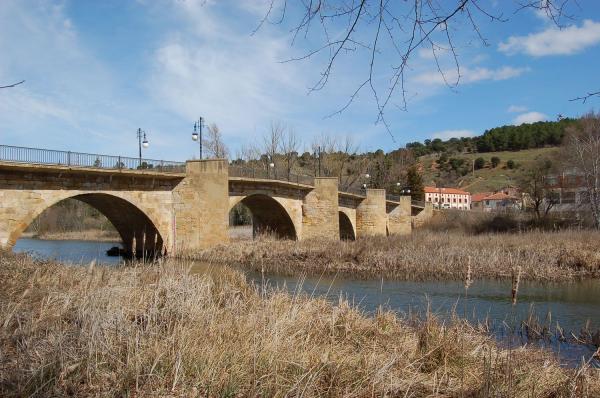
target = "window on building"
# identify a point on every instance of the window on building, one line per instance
(454, 200)
(567, 197)
(551, 180)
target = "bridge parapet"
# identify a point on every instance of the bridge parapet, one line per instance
(14, 154)
(268, 174)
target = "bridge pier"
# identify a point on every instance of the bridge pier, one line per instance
(201, 206)
(320, 210)
(399, 217)
(371, 216)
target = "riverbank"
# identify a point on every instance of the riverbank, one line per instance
(425, 255)
(97, 235)
(159, 330)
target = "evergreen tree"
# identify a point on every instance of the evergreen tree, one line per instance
(414, 181)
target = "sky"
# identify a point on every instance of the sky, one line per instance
(96, 71)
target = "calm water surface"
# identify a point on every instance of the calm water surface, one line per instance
(573, 305)
(68, 251)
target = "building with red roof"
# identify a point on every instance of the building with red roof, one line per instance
(495, 201)
(448, 198)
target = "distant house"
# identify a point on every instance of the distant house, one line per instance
(496, 201)
(477, 200)
(568, 190)
(448, 198)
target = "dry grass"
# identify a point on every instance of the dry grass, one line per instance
(426, 255)
(89, 234)
(161, 331)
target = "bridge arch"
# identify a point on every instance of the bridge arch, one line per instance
(268, 215)
(129, 220)
(346, 227)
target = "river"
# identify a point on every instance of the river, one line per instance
(573, 305)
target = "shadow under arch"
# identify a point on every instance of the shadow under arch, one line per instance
(139, 234)
(269, 216)
(346, 229)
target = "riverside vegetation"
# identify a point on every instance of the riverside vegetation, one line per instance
(425, 255)
(159, 330)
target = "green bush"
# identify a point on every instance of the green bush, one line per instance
(479, 163)
(495, 161)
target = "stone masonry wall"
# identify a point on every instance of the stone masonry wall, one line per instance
(320, 217)
(399, 217)
(201, 206)
(424, 216)
(371, 216)
(25, 193)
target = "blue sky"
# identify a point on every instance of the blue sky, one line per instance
(96, 71)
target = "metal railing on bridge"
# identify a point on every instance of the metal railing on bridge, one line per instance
(272, 174)
(418, 203)
(15, 154)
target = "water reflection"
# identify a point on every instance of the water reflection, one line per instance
(570, 306)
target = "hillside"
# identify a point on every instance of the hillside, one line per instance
(487, 178)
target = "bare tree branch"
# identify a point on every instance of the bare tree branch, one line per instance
(13, 85)
(584, 98)
(380, 26)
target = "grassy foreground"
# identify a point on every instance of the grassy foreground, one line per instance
(161, 331)
(426, 255)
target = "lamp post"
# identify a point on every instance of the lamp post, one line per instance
(272, 166)
(365, 185)
(142, 143)
(317, 155)
(197, 134)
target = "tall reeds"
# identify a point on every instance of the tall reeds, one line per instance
(157, 330)
(424, 255)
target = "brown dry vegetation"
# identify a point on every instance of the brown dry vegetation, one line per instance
(425, 255)
(91, 234)
(162, 331)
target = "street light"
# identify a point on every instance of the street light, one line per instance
(197, 134)
(142, 134)
(271, 165)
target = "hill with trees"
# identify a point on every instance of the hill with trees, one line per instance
(488, 162)
(504, 138)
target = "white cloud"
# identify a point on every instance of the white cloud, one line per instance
(554, 41)
(470, 75)
(447, 134)
(530, 117)
(225, 73)
(516, 109)
(426, 53)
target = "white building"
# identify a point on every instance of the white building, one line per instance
(448, 198)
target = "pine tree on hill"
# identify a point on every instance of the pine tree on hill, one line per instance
(414, 181)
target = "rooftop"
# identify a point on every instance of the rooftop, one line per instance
(454, 191)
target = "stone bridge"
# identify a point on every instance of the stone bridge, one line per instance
(179, 212)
